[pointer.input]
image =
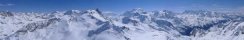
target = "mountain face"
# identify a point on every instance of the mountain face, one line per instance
(135, 24)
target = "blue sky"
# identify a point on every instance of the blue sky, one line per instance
(118, 5)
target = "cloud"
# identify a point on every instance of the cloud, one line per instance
(7, 4)
(241, 9)
(238, 9)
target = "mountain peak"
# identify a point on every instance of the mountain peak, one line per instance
(6, 13)
(137, 10)
(96, 14)
(70, 12)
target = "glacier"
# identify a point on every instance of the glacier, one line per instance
(135, 24)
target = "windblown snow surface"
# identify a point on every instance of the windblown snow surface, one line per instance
(135, 24)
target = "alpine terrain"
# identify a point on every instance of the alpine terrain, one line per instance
(135, 24)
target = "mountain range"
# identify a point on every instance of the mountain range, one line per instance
(135, 24)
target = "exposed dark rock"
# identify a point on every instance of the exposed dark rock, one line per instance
(188, 29)
(38, 25)
(126, 20)
(104, 27)
(127, 38)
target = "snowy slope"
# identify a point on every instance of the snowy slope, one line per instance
(135, 24)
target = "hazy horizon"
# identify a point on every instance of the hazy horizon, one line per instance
(119, 5)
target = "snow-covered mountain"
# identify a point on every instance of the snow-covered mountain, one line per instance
(135, 24)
